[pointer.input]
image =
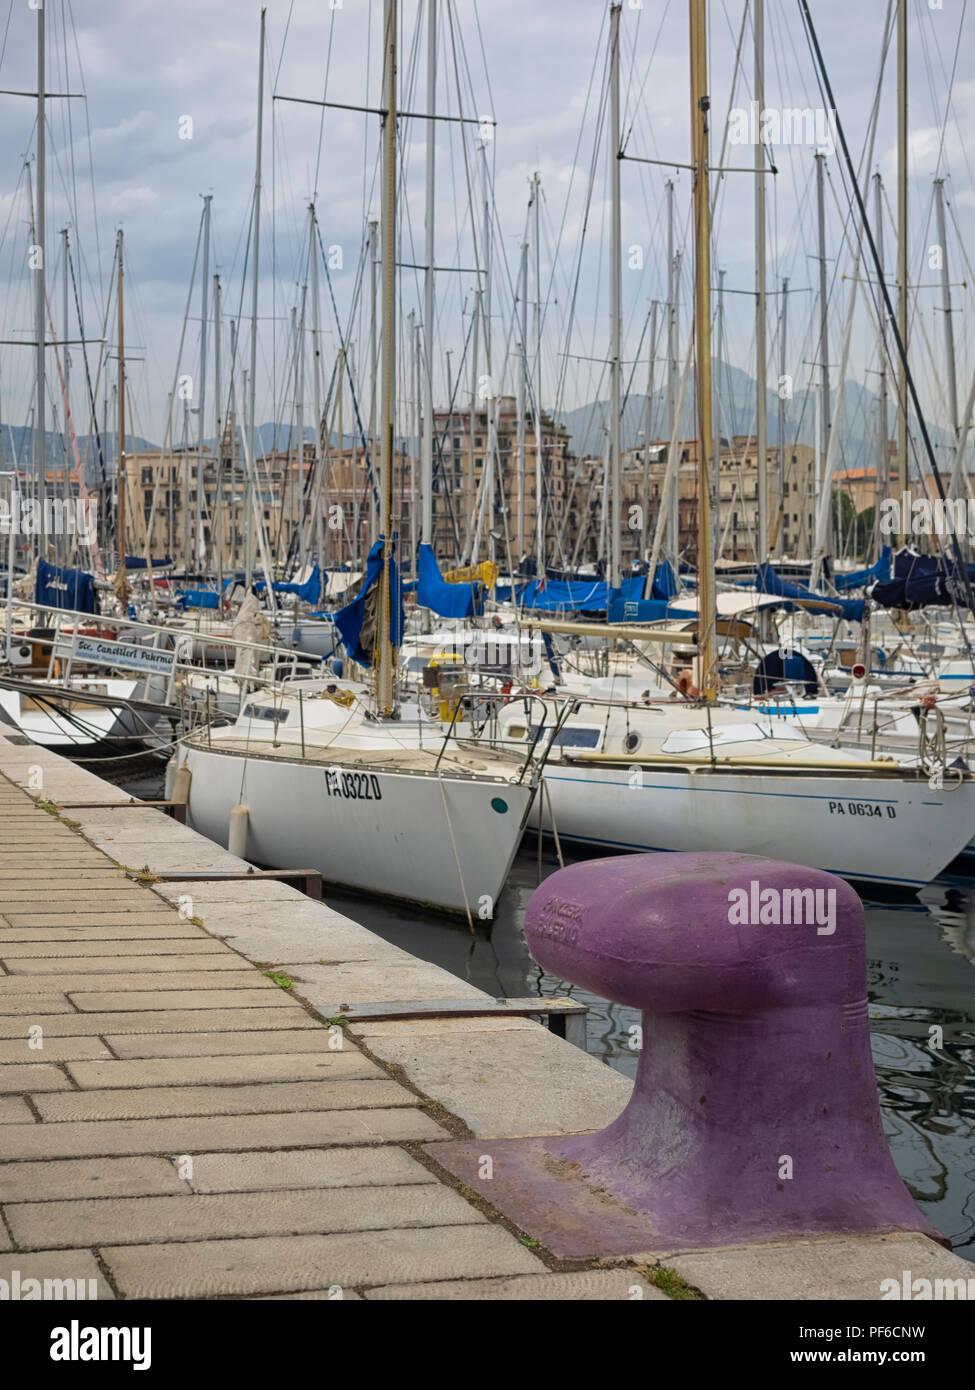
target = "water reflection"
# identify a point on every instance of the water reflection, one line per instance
(920, 979)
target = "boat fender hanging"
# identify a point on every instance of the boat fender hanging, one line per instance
(237, 833)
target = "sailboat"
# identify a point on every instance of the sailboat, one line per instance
(346, 777)
(644, 775)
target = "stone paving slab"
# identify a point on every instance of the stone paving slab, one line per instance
(52, 1268)
(75, 954)
(138, 915)
(257, 1043)
(89, 1177)
(32, 1076)
(300, 1168)
(162, 964)
(63, 936)
(849, 1267)
(14, 1111)
(70, 1023)
(241, 996)
(323, 1211)
(368, 982)
(14, 1008)
(281, 1264)
(519, 1082)
(587, 1286)
(53, 1050)
(281, 1097)
(180, 1135)
(84, 985)
(230, 1070)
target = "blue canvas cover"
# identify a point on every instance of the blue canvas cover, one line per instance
(768, 582)
(568, 596)
(447, 600)
(308, 592)
(351, 619)
(63, 588)
(859, 579)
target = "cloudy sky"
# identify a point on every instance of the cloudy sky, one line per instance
(536, 68)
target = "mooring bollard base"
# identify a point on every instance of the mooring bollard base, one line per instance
(555, 1202)
(754, 1115)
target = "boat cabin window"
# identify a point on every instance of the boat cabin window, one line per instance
(265, 712)
(572, 735)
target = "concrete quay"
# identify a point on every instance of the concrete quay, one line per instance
(177, 1119)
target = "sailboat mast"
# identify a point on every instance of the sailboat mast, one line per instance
(121, 587)
(426, 447)
(201, 411)
(40, 287)
(384, 650)
(700, 125)
(902, 102)
(250, 451)
(616, 310)
(761, 360)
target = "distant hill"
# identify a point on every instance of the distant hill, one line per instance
(858, 425)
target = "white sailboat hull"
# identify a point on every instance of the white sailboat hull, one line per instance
(882, 830)
(444, 842)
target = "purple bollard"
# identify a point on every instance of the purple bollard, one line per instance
(754, 1116)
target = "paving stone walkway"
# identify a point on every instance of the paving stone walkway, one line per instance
(175, 1124)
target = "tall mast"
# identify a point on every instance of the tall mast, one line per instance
(373, 372)
(316, 382)
(616, 310)
(783, 358)
(714, 475)
(384, 673)
(823, 319)
(201, 410)
(520, 399)
(672, 369)
(250, 451)
(539, 499)
(426, 451)
(882, 482)
(300, 417)
(38, 264)
(700, 105)
(939, 193)
(902, 103)
(761, 360)
(66, 375)
(121, 583)
(216, 526)
(647, 428)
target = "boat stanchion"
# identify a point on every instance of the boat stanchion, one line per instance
(754, 1116)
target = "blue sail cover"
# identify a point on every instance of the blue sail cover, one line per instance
(768, 582)
(351, 619)
(138, 562)
(447, 600)
(664, 581)
(568, 596)
(63, 588)
(198, 598)
(922, 580)
(859, 579)
(308, 592)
